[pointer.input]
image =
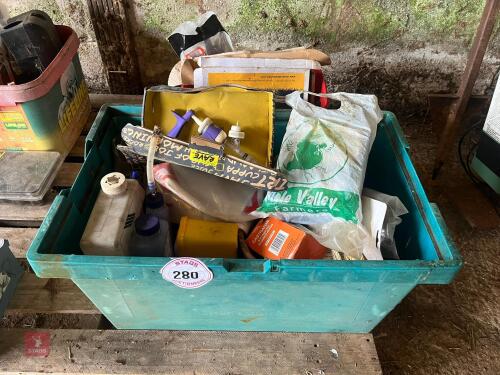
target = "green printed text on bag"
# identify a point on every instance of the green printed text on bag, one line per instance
(342, 204)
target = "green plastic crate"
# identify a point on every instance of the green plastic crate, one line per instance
(11, 268)
(248, 295)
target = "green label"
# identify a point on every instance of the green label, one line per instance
(15, 125)
(341, 204)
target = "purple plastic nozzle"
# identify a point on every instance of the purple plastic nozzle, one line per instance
(181, 120)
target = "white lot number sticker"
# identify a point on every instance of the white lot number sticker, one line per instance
(188, 273)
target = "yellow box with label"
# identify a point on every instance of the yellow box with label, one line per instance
(252, 110)
(206, 239)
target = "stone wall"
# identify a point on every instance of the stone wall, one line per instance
(399, 50)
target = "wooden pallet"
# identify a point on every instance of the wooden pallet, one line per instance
(114, 351)
(191, 352)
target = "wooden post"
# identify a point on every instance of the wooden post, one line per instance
(469, 77)
(112, 29)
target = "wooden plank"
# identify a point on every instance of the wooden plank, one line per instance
(19, 239)
(31, 214)
(189, 352)
(98, 100)
(116, 45)
(25, 214)
(90, 121)
(50, 296)
(78, 148)
(67, 174)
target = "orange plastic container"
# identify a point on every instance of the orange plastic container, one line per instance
(275, 239)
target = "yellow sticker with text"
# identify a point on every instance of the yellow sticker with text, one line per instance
(203, 157)
(263, 81)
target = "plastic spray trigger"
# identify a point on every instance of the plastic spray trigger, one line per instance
(181, 120)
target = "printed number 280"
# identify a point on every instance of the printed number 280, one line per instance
(185, 275)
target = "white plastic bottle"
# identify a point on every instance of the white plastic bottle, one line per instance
(233, 142)
(151, 237)
(111, 222)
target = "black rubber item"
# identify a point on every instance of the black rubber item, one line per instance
(32, 42)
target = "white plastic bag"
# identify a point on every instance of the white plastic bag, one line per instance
(205, 36)
(324, 156)
(213, 196)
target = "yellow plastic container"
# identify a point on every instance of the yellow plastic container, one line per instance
(206, 239)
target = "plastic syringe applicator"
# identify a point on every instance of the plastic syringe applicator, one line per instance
(207, 129)
(181, 120)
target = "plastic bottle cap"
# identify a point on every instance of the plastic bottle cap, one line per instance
(235, 132)
(154, 200)
(147, 225)
(201, 124)
(114, 183)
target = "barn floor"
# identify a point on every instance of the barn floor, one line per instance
(449, 329)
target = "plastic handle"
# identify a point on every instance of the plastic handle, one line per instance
(180, 122)
(242, 266)
(447, 248)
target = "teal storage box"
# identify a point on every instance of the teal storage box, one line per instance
(248, 295)
(10, 275)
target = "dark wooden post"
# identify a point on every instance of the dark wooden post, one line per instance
(116, 45)
(469, 77)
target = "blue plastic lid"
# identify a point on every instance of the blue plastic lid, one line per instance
(154, 200)
(147, 225)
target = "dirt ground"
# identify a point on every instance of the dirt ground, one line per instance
(449, 329)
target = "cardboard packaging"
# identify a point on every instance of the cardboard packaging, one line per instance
(289, 54)
(275, 239)
(278, 75)
(252, 110)
(204, 159)
(182, 74)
